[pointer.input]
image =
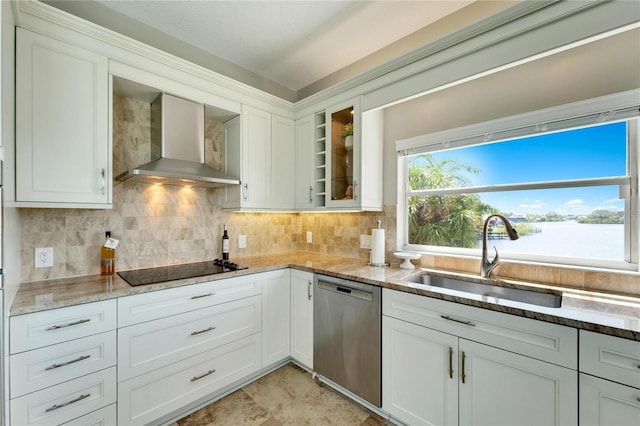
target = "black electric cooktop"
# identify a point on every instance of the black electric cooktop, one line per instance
(177, 272)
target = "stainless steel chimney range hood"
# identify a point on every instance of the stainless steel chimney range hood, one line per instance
(177, 148)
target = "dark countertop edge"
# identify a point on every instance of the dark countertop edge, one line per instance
(400, 285)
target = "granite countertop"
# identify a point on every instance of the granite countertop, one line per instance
(612, 314)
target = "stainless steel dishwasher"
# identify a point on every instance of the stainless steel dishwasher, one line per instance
(347, 335)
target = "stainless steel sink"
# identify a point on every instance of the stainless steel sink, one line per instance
(547, 298)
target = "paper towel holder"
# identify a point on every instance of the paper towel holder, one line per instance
(371, 254)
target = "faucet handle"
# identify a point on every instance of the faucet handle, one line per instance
(496, 259)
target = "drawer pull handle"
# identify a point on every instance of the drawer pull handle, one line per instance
(465, 322)
(56, 406)
(203, 376)
(193, 333)
(462, 374)
(202, 295)
(73, 361)
(55, 327)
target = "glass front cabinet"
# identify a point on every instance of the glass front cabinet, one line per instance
(348, 159)
(342, 158)
(347, 152)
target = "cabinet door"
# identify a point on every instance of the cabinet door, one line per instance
(502, 388)
(304, 164)
(343, 154)
(63, 149)
(256, 158)
(419, 374)
(282, 163)
(233, 161)
(276, 288)
(302, 317)
(605, 403)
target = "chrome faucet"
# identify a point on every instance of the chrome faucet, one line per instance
(486, 267)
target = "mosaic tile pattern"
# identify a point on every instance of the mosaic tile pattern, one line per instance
(288, 396)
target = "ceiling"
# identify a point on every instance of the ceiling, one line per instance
(283, 46)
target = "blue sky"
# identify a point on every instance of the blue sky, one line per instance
(589, 152)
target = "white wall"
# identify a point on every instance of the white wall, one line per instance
(599, 68)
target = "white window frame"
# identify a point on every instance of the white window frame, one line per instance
(606, 109)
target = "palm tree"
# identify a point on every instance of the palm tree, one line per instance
(443, 220)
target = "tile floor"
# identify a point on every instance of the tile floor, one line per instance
(287, 396)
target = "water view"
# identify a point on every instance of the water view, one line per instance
(569, 238)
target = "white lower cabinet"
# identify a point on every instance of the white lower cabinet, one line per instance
(276, 316)
(498, 387)
(62, 363)
(179, 346)
(151, 396)
(431, 377)
(605, 403)
(419, 373)
(64, 402)
(302, 317)
(609, 380)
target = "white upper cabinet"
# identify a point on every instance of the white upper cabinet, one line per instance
(348, 158)
(265, 153)
(63, 146)
(304, 163)
(256, 156)
(282, 163)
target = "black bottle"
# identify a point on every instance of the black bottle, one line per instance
(225, 244)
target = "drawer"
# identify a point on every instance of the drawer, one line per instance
(150, 345)
(66, 401)
(146, 398)
(163, 303)
(537, 339)
(31, 331)
(605, 403)
(610, 357)
(48, 366)
(106, 416)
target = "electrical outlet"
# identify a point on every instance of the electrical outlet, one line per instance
(44, 257)
(365, 241)
(242, 241)
(309, 237)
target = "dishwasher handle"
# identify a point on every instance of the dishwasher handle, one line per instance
(346, 290)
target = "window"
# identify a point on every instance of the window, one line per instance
(568, 186)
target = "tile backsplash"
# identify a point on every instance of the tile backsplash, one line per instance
(161, 225)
